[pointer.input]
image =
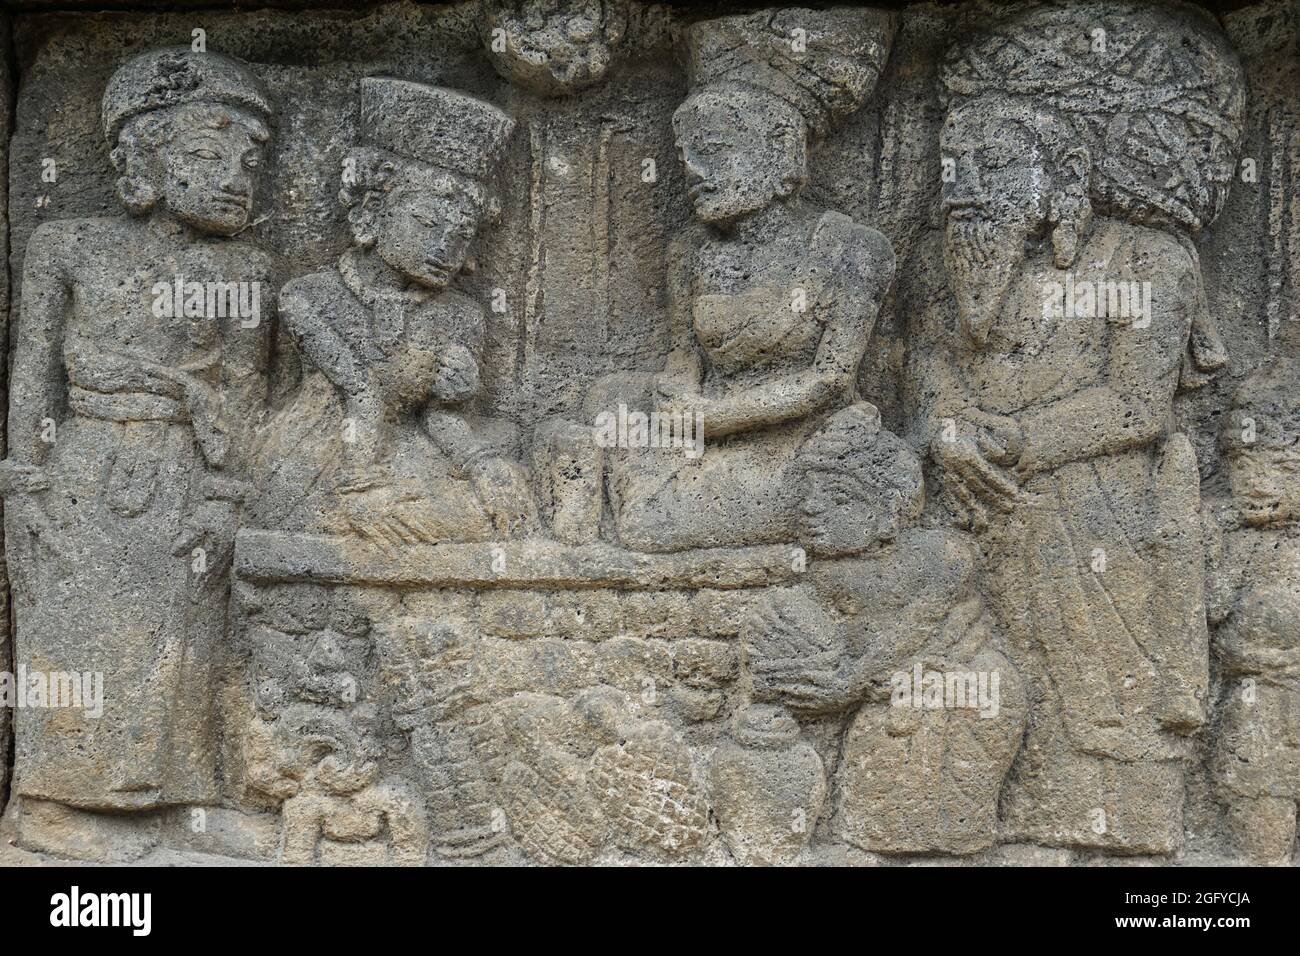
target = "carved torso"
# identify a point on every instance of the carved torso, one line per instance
(754, 308)
(112, 267)
(1032, 359)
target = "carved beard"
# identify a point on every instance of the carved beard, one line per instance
(983, 257)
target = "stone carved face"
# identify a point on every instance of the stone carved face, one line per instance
(201, 161)
(840, 515)
(741, 151)
(1266, 484)
(427, 226)
(994, 197)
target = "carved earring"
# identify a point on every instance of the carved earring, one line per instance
(1072, 219)
(1071, 211)
(135, 188)
(137, 194)
(796, 173)
(361, 219)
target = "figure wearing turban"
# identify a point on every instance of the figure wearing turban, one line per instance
(772, 301)
(1089, 147)
(128, 427)
(887, 600)
(382, 439)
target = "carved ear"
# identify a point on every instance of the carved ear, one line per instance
(1069, 208)
(791, 182)
(362, 217)
(794, 139)
(135, 187)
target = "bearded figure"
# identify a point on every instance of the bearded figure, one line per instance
(1084, 151)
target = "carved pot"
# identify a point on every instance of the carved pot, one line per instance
(768, 787)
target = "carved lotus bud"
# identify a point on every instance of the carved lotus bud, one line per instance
(554, 47)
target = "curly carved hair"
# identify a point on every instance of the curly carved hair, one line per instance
(370, 174)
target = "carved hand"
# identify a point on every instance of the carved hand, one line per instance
(361, 478)
(18, 477)
(682, 373)
(503, 489)
(212, 525)
(793, 651)
(976, 483)
(457, 377)
(387, 512)
(675, 396)
(811, 691)
(999, 437)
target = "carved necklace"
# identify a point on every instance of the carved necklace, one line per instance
(375, 287)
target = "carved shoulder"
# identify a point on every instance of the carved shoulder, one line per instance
(315, 294)
(1159, 258)
(860, 259)
(58, 246)
(1156, 251)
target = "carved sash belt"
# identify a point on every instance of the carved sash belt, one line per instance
(208, 428)
(126, 406)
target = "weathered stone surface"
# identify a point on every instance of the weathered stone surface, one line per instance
(6, 650)
(591, 431)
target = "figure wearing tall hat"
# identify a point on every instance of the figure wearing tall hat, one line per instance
(771, 300)
(384, 440)
(127, 433)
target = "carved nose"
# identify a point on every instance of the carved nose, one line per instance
(691, 165)
(233, 182)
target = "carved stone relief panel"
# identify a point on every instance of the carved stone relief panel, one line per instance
(591, 431)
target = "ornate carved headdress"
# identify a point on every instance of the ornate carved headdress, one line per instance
(1155, 92)
(553, 47)
(175, 76)
(434, 125)
(1157, 95)
(824, 63)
